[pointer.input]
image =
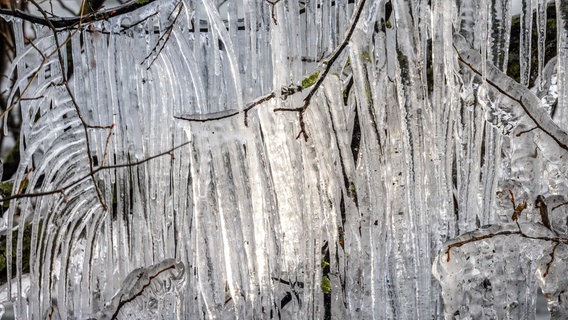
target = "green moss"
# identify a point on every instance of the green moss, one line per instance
(26, 244)
(6, 187)
(366, 56)
(324, 264)
(389, 24)
(310, 80)
(326, 285)
(352, 187)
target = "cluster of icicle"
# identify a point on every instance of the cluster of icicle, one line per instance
(411, 142)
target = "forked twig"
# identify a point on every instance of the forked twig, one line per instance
(164, 37)
(301, 110)
(86, 126)
(273, 4)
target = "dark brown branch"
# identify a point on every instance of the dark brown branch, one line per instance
(150, 278)
(225, 115)
(301, 110)
(549, 264)
(69, 22)
(558, 206)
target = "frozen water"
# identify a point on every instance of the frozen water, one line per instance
(161, 174)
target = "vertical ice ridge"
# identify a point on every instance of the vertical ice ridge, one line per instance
(216, 23)
(500, 21)
(561, 113)
(541, 20)
(525, 41)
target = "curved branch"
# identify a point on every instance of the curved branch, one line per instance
(68, 22)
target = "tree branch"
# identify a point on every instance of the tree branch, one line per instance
(511, 89)
(69, 22)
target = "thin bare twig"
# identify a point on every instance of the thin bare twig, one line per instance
(549, 264)
(475, 239)
(525, 131)
(273, 4)
(503, 233)
(229, 114)
(165, 37)
(91, 174)
(558, 206)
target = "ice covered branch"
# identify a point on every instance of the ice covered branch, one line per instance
(519, 232)
(497, 79)
(225, 114)
(135, 284)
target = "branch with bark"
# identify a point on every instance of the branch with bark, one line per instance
(59, 23)
(505, 85)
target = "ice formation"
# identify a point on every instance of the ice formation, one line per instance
(289, 159)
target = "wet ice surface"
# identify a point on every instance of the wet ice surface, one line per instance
(409, 150)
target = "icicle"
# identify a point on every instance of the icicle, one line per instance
(561, 113)
(525, 41)
(541, 21)
(500, 33)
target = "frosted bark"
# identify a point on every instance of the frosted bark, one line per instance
(161, 174)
